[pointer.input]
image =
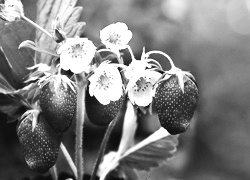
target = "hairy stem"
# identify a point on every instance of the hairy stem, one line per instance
(103, 147)
(69, 159)
(80, 111)
(53, 172)
(36, 26)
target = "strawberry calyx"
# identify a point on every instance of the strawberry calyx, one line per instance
(57, 100)
(173, 71)
(41, 71)
(180, 76)
(31, 115)
(55, 80)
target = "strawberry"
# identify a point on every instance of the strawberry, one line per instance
(58, 102)
(39, 143)
(175, 101)
(100, 114)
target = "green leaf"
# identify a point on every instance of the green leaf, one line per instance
(147, 154)
(151, 155)
(47, 11)
(10, 37)
(75, 29)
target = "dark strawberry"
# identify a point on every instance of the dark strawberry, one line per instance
(58, 102)
(100, 114)
(40, 145)
(175, 101)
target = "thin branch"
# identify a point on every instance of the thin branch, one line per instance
(36, 26)
(103, 147)
(69, 159)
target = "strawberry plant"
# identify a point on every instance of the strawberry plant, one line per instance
(70, 79)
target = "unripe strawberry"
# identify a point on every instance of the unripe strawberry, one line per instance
(176, 98)
(40, 145)
(58, 102)
(100, 114)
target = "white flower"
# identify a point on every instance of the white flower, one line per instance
(11, 10)
(116, 36)
(76, 54)
(136, 67)
(140, 87)
(141, 78)
(106, 83)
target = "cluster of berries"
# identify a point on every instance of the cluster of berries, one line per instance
(173, 93)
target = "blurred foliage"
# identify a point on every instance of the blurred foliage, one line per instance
(209, 38)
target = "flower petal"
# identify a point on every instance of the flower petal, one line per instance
(141, 98)
(140, 88)
(65, 61)
(106, 83)
(101, 96)
(79, 53)
(116, 36)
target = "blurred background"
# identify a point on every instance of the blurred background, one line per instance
(211, 39)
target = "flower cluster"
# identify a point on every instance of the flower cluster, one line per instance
(106, 81)
(87, 78)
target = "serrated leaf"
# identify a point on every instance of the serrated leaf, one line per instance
(47, 11)
(75, 29)
(147, 154)
(130, 174)
(151, 155)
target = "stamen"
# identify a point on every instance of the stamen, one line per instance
(114, 38)
(163, 54)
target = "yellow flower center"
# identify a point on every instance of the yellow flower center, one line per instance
(141, 85)
(77, 50)
(114, 38)
(104, 81)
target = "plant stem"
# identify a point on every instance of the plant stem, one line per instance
(80, 111)
(165, 55)
(103, 147)
(69, 159)
(53, 172)
(36, 26)
(131, 53)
